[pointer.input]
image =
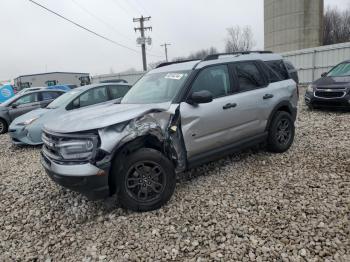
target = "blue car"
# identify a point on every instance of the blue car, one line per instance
(27, 129)
(60, 87)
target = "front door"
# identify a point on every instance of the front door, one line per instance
(24, 104)
(206, 126)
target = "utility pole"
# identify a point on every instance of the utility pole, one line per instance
(166, 50)
(142, 40)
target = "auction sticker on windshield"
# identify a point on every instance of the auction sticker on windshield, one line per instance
(174, 76)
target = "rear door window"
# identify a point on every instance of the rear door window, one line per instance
(270, 74)
(49, 95)
(248, 76)
(118, 91)
(91, 97)
(279, 67)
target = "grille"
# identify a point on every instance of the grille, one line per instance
(49, 147)
(331, 94)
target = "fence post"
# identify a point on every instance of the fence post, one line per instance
(314, 65)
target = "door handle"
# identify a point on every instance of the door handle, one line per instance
(268, 96)
(229, 105)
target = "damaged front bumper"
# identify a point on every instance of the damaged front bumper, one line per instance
(84, 178)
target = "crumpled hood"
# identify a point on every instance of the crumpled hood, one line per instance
(32, 114)
(101, 116)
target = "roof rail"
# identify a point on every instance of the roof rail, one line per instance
(176, 62)
(216, 56)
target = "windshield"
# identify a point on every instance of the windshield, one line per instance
(63, 100)
(342, 69)
(156, 88)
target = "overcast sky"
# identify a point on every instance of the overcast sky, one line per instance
(35, 41)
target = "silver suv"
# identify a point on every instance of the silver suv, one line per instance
(178, 116)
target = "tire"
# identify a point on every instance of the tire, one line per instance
(281, 132)
(146, 182)
(3, 126)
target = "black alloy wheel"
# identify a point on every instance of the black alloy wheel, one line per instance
(284, 132)
(145, 181)
(281, 132)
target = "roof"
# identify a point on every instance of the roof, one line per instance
(176, 67)
(50, 73)
(87, 87)
(221, 58)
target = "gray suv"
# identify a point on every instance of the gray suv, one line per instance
(178, 116)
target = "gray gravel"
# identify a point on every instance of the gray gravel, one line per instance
(252, 206)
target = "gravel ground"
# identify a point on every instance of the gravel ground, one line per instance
(252, 206)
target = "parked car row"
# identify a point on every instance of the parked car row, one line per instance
(23, 103)
(27, 129)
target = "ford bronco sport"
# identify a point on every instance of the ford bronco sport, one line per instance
(177, 116)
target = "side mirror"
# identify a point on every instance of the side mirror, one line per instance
(43, 105)
(14, 106)
(324, 74)
(200, 97)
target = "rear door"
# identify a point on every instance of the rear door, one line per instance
(255, 99)
(24, 104)
(206, 126)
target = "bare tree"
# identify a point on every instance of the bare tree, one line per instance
(336, 27)
(201, 54)
(239, 39)
(154, 64)
(197, 55)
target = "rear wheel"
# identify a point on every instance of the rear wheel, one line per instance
(281, 132)
(146, 181)
(3, 126)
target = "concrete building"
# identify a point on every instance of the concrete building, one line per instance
(293, 24)
(50, 79)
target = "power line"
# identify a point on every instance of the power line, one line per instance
(142, 7)
(129, 3)
(84, 28)
(116, 2)
(101, 20)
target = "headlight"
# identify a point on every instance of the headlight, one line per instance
(28, 122)
(76, 149)
(310, 88)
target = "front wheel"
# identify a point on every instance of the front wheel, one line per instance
(281, 132)
(146, 181)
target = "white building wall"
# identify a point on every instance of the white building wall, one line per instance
(312, 62)
(131, 78)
